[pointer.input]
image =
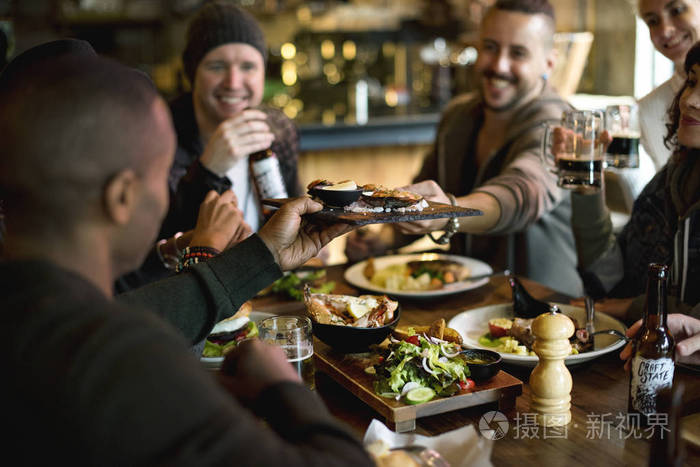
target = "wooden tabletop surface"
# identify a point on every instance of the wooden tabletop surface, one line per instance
(596, 435)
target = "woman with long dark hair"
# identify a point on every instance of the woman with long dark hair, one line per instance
(665, 223)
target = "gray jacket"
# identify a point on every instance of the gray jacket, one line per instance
(533, 235)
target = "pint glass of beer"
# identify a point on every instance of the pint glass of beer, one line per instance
(622, 122)
(572, 150)
(293, 334)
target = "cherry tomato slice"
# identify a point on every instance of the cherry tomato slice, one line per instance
(413, 340)
(467, 385)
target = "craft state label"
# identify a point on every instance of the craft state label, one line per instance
(649, 376)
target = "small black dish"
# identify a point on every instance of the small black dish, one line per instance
(486, 363)
(348, 339)
(336, 198)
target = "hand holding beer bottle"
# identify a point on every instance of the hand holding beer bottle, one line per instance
(653, 357)
(686, 332)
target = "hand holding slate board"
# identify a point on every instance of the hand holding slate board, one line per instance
(339, 215)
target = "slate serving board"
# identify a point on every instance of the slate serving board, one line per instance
(336, 215)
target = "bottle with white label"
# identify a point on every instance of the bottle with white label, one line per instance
(653, 357)
(267, 175)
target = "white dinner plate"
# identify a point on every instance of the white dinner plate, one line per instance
(354, 275)
(472, 324)
(214, 363)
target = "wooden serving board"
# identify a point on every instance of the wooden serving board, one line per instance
(348, 370)
(336, 215)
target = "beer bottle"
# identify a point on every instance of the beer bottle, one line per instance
(267, 175)
(652, 360)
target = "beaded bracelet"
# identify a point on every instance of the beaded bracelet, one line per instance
(451, 228)
(195, 254)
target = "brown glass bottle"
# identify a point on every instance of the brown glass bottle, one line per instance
(652, 359)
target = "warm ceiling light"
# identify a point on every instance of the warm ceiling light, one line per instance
(288, 51)
(349, 50)
(327, 49)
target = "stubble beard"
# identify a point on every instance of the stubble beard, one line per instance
(517, 100)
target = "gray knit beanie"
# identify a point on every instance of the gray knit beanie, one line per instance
(217, 23)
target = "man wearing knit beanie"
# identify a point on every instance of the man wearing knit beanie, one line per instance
(220, 123)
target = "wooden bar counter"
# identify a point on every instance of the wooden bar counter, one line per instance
(598, 398)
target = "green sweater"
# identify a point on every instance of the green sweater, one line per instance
(195, 300)
(92, 381)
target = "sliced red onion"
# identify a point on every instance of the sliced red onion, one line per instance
(446, 353)
(408, 386)
(434, 340)
(443, 360)
(393, 340)
(427, 337)
(426, 368)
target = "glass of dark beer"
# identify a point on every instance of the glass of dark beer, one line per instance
(293, 334)
(622, 122)
(574, 152)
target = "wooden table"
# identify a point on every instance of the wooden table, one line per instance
(598, 398)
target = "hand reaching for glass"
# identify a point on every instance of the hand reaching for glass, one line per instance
(253, 366)
(235, 139)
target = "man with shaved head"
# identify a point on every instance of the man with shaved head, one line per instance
(87, 146)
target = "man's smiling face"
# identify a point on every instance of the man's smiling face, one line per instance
(514, 54)
(229, 79)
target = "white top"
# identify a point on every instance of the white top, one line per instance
(653, 110)
(239, 175)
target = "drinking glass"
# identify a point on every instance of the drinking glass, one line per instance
(579, 160)
(622, 122)
(293, 334)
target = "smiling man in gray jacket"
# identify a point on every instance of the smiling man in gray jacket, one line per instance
(487, 153)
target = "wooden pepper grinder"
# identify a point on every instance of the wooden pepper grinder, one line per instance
(550, 381)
